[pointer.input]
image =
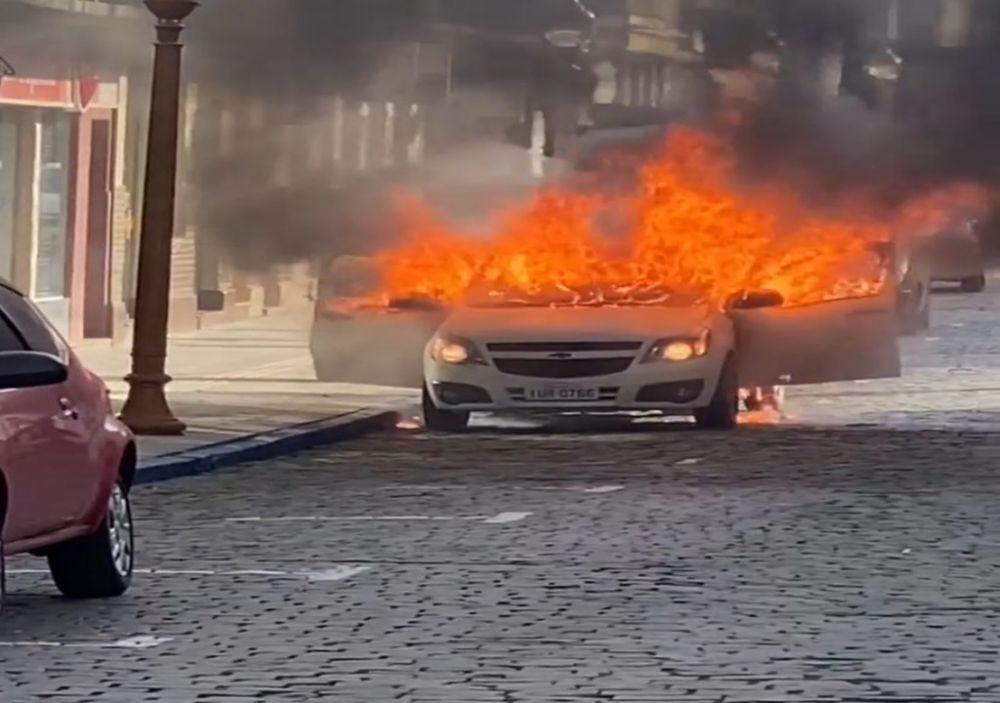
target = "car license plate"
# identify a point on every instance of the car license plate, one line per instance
(548, 393)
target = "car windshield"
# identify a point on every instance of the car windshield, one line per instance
(582, 296)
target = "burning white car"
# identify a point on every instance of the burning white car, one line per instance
(674, 356)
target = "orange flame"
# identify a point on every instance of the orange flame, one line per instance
(687, 227)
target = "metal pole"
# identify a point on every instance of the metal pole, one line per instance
(146, 410)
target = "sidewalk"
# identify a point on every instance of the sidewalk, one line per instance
(249, 387)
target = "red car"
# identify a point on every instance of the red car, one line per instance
(66, 461)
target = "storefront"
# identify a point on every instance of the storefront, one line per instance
(35, 139)
(51, 236)
(46, 160)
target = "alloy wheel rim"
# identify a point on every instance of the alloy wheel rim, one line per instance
(120, 531)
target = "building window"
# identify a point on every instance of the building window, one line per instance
(638, 85)
(8, 192)
(624, 85)
(892, 21)
(49, 252)
(656, 81)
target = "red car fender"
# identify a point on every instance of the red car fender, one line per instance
(113, 443)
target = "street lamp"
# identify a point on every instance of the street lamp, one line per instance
(146, 410)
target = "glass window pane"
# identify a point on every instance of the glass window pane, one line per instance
(29, 322)
(53, 207)
(8, 185)
(9, 341)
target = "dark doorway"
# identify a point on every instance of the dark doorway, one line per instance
(97, 295)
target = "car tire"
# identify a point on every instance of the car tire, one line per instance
(98, 565)
(915, 322)
(3, 573)
(722, 412)
(924, 318)
(974, 284)
(437, 420)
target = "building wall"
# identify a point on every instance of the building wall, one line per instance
(409, 109)
(45, 189)
(257, 179)
(647, 64)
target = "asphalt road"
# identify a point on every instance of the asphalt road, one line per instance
(607, 562)
(769, 565)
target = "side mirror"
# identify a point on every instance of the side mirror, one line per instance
(756, 300)
(30, 370)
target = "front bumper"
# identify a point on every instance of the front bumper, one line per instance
(669, 387)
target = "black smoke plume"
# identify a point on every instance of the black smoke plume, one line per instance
(937, 124)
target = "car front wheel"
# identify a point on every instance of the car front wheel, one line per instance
(722, 412)
(3, 572)
(915, 321)
(437, 420)
(98, 565)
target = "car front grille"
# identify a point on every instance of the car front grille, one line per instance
(546, 347)
(563, 368)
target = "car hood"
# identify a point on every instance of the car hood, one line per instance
(537, 324)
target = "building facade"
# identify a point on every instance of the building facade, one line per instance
(278, 152)
(61, 162)
(647, 62)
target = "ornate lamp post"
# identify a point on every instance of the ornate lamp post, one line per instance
(146, 410)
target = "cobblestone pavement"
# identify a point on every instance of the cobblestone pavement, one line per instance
(773, 564)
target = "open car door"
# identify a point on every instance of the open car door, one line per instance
(841, 340)
(356, 341)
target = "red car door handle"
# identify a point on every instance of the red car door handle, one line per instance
(67, 409)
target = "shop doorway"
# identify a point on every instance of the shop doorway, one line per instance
(97, 320)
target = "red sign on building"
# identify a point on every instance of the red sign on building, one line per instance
(33, 91)
(68, 94)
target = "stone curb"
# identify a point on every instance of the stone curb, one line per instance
(263, 446)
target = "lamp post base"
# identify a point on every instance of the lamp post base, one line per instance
(146, 411)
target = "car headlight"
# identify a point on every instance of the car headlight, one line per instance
(679, 348)
(455, 350)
